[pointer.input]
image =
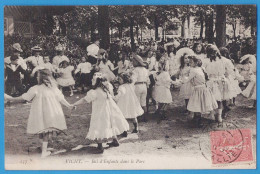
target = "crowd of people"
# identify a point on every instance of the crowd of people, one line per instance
(122, 83)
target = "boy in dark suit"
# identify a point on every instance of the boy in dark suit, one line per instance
(13, 82)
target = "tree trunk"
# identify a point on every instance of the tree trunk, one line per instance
(210, 28)
(162, 34)
(132, 33)
(252, 27)
(120, 30)
(188, 20)
(234, 26)
(156, 25)
(221, 26)
(137, 31)
(62, 27)
(103, 26)
(201, 24)
(141, 34)
(183, 28)
(92, 29)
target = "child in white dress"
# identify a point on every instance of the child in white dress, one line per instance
(186, 88)
(232, 75)
(127, 101)
(46, 116)
(217, 69)
(107, 120)
(201, 100)
(161, 91)
(66, 79)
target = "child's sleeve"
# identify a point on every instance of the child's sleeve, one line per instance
(30, 94)
(71, 68)
(59, 94)
(192, 74)
(91, 96)
(78, 68)
(167, 80)
(121, 92)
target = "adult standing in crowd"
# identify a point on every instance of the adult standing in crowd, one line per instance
(35, 59)
(92, 50)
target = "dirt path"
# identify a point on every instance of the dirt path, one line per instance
(171, 144)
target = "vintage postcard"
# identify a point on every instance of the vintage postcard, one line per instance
(130, 87)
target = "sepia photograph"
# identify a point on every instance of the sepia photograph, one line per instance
(130, 87)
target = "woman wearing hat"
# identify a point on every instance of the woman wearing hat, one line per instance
(141, 81)
(33, 61)
(36, 59)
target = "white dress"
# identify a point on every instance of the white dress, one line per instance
(173, 65)
(203, 58)
(202, 100)
(233, 78)
(107, 120)
(161, 91)
(106, 70)
(128, 102)
(186, 88)
(46, 111)
(218, 83)
(66, 78)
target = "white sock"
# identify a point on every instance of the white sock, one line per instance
(44, 146)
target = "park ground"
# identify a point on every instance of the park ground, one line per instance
(171, 144)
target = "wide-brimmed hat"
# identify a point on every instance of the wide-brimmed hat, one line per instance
(17, 47)
(139, 60)
(250, 57)
(181, 52)
(59, 48)
(36, 48)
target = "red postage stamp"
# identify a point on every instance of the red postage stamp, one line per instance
(231, 146)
